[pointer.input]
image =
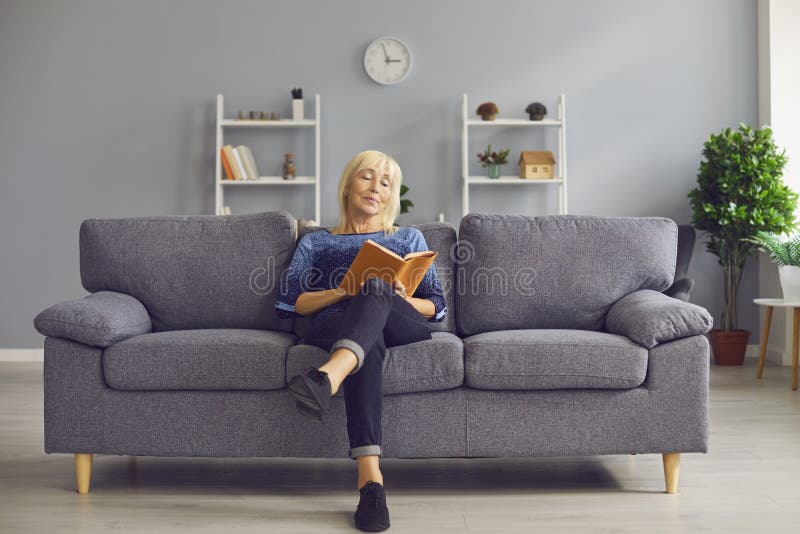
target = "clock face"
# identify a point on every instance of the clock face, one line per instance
(387, 60)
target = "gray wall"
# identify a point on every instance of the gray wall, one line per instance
(107, 110)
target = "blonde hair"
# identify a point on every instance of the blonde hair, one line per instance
(377, 161)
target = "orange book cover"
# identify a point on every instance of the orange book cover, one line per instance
(230, 156)
(226, 165)
(374, 260)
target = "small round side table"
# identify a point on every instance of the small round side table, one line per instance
(780, 303)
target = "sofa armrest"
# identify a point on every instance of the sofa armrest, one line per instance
(649, 318)
(100, 319)
(680, 289)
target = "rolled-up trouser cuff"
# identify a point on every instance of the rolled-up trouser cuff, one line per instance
(351, 345)
(366, 450)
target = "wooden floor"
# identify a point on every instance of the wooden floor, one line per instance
(748, 482)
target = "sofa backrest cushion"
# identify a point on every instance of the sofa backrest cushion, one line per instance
(556, 271)
(439, 236)
(199, 271)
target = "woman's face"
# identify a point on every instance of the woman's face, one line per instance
(369, 191)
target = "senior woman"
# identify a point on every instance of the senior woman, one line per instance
(357, 330)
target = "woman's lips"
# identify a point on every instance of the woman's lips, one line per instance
(371, 200)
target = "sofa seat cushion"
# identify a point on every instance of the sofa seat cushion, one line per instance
(430, 365)
(553, 359)
(227, 358)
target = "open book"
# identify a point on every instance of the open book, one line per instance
(374, 260)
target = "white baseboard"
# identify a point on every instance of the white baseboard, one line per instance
(773, 356)
(22, 355)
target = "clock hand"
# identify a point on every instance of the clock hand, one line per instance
(385, 54)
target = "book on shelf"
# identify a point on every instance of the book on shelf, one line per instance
(226, 165)
(248, 161)
(237, 155)
(230, 155)
(374, 260)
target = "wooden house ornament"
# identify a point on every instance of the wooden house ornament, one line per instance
(536, 164)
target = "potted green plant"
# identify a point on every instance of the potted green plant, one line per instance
(739, 193)
(405, 204)
(492, 160)
(785, 253)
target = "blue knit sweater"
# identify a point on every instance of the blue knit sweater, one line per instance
(321, 260)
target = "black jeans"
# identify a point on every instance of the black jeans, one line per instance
(374, 319)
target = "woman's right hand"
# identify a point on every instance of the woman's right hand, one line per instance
(311, 302)
(342, 294)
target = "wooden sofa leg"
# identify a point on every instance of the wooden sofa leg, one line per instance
(83, 470)
(672, 465)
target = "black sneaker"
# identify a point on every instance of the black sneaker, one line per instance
(312, 390)
(372, 515)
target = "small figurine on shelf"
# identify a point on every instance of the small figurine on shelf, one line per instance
(536, 111)
(288, 167)
(297, 104)
(536, 164)
(488, 111)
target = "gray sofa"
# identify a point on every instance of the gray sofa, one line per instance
(557, 342)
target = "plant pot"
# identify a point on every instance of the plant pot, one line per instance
(729, 347)
(790, 282)
(493, 170)
(297, 109)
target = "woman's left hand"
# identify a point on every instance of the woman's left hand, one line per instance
(400, 289)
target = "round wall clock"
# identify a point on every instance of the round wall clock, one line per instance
(387, 60)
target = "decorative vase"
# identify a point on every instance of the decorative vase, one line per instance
(493, 170)
(297, 109)
(789, 276)
(729, 347)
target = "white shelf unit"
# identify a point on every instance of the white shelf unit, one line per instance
(225, 124)
(561, 161)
